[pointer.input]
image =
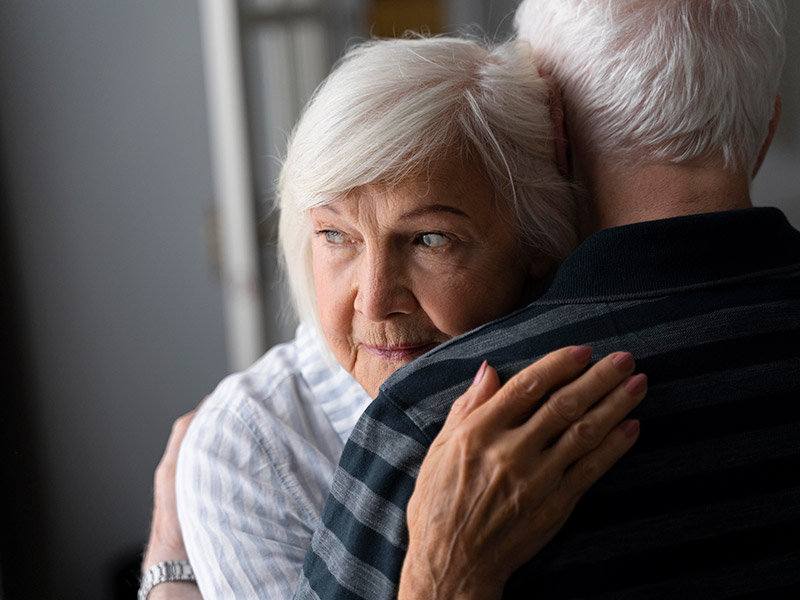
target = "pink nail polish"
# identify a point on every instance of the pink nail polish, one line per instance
(636, 384)
(630, 428)
(582, 353)
(479, 375)
(623, 361)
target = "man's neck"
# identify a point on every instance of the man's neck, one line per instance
(646, 193)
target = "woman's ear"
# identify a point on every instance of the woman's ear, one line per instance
(558, 127)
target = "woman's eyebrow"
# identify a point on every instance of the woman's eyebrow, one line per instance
(330, 207)
(433, 208)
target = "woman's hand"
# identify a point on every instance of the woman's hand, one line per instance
(166, 539)
(501, 477)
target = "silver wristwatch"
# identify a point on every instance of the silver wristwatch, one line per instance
(170, 570)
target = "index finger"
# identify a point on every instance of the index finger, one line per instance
(519, 397)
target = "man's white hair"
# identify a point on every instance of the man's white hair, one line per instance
(392, 107)
(663, 80)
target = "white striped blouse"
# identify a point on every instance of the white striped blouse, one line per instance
(256, 465)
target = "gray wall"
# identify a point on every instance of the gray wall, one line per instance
(104, 149)
(778, 181)
(104, 171)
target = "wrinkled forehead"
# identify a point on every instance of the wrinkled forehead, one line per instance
(452, 179)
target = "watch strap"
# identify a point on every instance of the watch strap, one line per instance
(170, 570)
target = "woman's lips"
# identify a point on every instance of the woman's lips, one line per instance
(399, 352)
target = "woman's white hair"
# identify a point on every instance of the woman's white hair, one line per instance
(391, 107)
(667, 80)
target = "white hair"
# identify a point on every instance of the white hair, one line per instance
(667, 80)
(391, 107)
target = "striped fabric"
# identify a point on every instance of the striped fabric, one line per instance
(256, 465)
(706, 505)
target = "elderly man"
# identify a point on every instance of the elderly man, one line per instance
(670, 107)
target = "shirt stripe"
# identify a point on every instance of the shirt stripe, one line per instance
(707, 504)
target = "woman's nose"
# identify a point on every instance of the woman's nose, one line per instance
(383, 288)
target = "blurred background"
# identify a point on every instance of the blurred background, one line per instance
(134, 136)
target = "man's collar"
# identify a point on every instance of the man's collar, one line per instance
(660, 257)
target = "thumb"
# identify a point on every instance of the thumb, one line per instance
(485, 384)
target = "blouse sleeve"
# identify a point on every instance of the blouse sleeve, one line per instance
(247, 507)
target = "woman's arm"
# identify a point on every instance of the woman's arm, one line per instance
(249, 493)
(166, 540)
(496, 485)
(245, 516)
(502, 477)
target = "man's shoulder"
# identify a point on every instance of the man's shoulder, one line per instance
(629, 287)
(424, 390)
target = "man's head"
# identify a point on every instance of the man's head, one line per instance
(663, 81)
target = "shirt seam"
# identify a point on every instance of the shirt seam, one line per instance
(666, 291)
(267, 449)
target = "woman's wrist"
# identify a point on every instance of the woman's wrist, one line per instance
(157, 554)
(175, 590)
(162, 548)
(420, 578)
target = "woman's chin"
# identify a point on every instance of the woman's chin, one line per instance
(371, 371)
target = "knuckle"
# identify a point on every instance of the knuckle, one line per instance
(552, 415)
(590, 470)
(565, 404)
(459, 406)
(607, 374)
(539, 377)
(521, 392)
(496, 457)
(468, 439)
(552, 514)
(531, 385)
(182, 423)
(584, 435)
(179, 426)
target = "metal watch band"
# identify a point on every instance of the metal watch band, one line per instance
(170, 570)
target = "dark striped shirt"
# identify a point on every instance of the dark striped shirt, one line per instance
(706, 505)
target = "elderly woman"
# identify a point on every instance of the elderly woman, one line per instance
(419, 199)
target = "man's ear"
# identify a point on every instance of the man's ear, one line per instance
(773, 125)
(557, 121)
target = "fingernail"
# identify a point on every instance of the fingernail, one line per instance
(623, 361)
(630, 428)
(479, 375)
(636, 384)
(582, 353)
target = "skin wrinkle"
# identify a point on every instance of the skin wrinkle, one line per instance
(495, 480)
(513, 506)
(385, 297)
(457, 545)
(457, 538)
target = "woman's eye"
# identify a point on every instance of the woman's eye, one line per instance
(433, 240)
(334, 237)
